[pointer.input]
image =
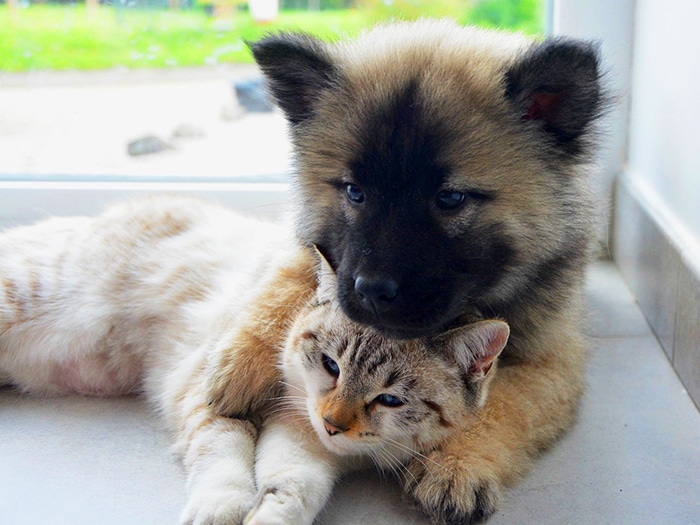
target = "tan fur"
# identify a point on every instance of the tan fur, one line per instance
(459, 70)
(244, 379)
(529, 406)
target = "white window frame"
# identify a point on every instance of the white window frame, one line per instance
(23, 202)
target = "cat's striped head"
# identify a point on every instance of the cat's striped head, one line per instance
(387, 398)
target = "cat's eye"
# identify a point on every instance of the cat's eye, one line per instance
(331, 366)
(354, 193)
(389, 401)
(449, 199)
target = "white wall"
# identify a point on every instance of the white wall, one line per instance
(610, 23)
(664, 141)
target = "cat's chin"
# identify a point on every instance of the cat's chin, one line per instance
(336, 448)
(338, 445)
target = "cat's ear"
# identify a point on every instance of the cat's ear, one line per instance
(476, 346)
(298, 69)
(327, 279)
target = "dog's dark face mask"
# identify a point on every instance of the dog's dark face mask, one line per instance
(424, 207)
(399, 268)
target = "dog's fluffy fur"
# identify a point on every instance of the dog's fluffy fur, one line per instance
(441, 171)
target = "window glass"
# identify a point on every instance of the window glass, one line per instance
(165, 91)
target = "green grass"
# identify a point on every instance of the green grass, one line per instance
(45, 37)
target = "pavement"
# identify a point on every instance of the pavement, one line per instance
(76, 124)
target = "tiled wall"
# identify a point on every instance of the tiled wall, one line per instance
(663, 274)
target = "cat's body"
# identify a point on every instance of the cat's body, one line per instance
(89, 304)
(147, 297)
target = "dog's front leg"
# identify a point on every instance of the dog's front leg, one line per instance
(530, 404)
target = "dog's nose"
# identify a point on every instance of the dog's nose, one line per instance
(376, 292)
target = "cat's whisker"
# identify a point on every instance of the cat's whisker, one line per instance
(295, 387)
(399, 467)
(389, 460)
(382, 462)
(290, 410)
(288, 399)
(417, 455)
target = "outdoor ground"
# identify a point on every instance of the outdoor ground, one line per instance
(65, 124)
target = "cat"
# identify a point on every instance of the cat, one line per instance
(148, 296)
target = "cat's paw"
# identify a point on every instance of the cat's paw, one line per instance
(217, 507)
(451, 489)
(275, 506)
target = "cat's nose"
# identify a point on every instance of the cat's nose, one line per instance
(332, 427)
(376, 291)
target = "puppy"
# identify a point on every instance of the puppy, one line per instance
(441, 170)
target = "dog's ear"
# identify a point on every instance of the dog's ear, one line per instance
(556, 84)
(298, 68)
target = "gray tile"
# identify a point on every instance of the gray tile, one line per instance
(649, 262)
(611, 309)
(686, 356)
(632, 457)
(627, 240)
(372, 499)
(78, 460)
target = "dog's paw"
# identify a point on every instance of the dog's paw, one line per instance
(217, 507)
(451, 490)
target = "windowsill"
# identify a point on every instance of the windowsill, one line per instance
(24, 201)
(632, 456)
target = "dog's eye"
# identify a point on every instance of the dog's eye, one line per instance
(449, 199)
(354, 193)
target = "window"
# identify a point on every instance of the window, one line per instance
(105, 99)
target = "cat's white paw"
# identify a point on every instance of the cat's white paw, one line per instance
(217, 507)
(277, 507)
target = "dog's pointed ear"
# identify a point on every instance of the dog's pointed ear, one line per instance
(298, 68)
(557, 85)
(476, 346)
(327, 279)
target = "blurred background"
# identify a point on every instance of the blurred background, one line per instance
(167, 88)
(102, 34)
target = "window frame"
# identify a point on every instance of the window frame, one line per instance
(23, 202)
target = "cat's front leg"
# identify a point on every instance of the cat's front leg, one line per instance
(219, 456)
(295, 475)
(530, 404)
